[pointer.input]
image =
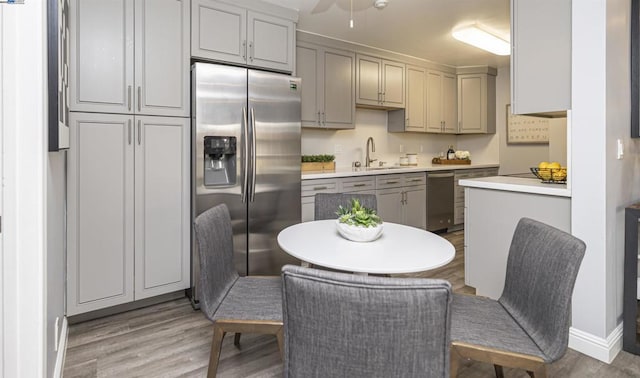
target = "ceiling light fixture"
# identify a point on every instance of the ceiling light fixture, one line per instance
(379, 4)
(351, 16)
(476, 36)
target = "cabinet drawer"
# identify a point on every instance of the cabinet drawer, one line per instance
(357, 184)
(389, 181)
(415, 179)
(312, 187)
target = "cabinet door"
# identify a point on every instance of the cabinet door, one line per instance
(540, 85)
(307, 59)
(161, 205)
(415, 208)
(390, 204)
(416, 99)
(393, 84)
(270, 41)
(338, 82)
(101, 57)
(434, 102)
(100, 212)
(449, 104)
(218, 31)
(162, 57)
(472, 104)
(368, 88)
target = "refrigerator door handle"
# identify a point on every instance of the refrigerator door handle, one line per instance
(245, 163)
(253, 155)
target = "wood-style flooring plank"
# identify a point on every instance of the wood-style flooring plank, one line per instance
(172, 340)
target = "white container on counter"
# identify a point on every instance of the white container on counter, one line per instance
(412, 159)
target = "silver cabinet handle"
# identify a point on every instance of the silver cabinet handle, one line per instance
(359, 185)
(324, 119)
(139, 98)
(139, 132)
(320, 188)
(129, 97)
(129, 130)
(245, 169)
(253, 154)
(391, 182)
(244, 50)
(415, 180)
(319, 119)
(251, 51)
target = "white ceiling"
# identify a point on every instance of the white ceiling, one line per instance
(420, 28)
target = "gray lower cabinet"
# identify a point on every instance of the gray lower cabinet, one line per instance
(356, 184)
(458, 194)
(128, 209)
(402, 198)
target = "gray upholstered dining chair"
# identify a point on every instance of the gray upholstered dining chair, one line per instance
(326, 204)
(232, 303)
(528, 326)
(344, 325)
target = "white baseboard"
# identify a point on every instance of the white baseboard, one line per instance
(601, 349)
(62, 349)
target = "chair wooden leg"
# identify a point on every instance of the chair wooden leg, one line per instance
(216, 346)
(539, 372)
(498, 370)
(280, 337)
(454, 362)
(236, 340)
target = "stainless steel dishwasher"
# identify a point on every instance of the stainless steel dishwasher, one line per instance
(439, 200)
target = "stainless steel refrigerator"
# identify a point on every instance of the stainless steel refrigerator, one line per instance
(246, 154)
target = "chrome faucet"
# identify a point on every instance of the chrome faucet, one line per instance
(367, 161)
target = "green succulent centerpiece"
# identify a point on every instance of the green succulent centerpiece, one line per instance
(358, 223)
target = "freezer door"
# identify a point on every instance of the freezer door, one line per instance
(274, 199)
(220, 96)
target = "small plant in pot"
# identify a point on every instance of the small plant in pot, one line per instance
(358, 223)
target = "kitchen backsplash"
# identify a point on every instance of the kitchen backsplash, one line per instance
(350, 145)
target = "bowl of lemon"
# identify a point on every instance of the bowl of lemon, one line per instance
(550, 173)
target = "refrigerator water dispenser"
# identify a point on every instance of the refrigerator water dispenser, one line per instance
(219, 160)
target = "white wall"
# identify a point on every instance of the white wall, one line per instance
(601, 185)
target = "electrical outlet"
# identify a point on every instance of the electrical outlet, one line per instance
(401, 148)
(421, 148)
(620, 154)
(56, 333)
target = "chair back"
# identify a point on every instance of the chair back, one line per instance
(214, 237)
(326, 204)
(542, 267)
(343, 325)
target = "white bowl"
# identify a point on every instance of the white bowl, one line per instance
(359, 233)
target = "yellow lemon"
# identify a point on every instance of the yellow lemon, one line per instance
(559, 174)
(544, 173)
(554, 165)
(543, 164)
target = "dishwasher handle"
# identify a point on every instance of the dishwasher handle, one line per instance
(439, 175)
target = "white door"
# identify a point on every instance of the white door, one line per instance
(100, 212)
(162, 231)
(218, 31)
(162, 57)
(101, 67)
(434, 102)
(270, 42)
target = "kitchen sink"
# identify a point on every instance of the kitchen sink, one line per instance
(382, 168)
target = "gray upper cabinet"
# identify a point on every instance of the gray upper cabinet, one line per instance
(476, 103)
(328, 86)
(413, 117)
(379, 82)
(130, 65)
(441, 102)
(229, 33)
(540, 27)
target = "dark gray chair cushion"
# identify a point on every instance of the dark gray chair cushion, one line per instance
(343, 325)
(535, 304)
(225, 295)
(326, 204)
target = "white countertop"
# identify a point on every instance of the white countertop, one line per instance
(517, 184)
(349, 172)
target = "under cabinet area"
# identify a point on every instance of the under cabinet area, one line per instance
(250, 37)
(328, 86)
(129, 57)
(128, 209)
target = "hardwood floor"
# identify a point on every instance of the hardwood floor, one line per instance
(172, 340)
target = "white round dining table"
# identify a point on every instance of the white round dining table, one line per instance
(400, 249)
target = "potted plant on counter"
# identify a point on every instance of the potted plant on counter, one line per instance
(318, 163)
(358, 223)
